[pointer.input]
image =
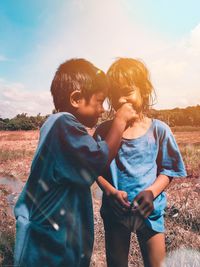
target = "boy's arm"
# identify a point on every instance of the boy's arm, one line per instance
(118, 199)
(79, 157)
(113, 137)
(143, 202)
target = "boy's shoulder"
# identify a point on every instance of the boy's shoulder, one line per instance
(62, 117)
(61, 121)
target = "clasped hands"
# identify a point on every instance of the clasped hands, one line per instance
(142, 203)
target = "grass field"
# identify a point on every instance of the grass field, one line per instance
(182, 214)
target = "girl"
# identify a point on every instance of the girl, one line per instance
(147, 160)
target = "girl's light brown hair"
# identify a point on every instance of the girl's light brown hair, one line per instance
(132, 72)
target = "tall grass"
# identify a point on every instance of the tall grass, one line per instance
(191, 157)
(185, 128)
(7, 230)
(19, 135)
(9, 154)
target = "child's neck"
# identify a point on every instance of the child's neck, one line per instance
(138, 128)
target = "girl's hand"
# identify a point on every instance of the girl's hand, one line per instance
(143, 203)
(118, 200)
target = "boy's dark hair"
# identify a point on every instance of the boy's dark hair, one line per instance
(76, 74)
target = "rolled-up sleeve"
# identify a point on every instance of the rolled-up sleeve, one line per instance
(169, 159)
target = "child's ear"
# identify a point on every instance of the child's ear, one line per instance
(75, 98)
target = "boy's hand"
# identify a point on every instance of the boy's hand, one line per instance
(118, 200)
(127, 113)
(143, 203)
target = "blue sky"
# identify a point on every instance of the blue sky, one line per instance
(36, 36)
(170, 18)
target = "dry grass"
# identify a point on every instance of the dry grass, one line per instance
(7, 230)
(11, 155)
(191, 156)
(16, 152)
(188, 138)
(189, 144)
(19, 135)
(182, 215)
(185, 129)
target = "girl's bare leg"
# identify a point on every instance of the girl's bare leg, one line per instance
(117, 243)
(153, 249)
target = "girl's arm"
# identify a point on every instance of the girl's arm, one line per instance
(159, 185)
(168, 154)
(118, 199)
(144, 200)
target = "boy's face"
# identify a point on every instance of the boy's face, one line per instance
(90, 110)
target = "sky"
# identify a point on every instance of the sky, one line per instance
(37, 36)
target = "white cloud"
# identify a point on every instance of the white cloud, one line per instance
(3, 58)
(176, 72)
(194, 41)
(97, 30)
(16, 99)
(91, 31)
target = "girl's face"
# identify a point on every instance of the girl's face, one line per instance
(130, 94)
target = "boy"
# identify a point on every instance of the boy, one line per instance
(54, 212)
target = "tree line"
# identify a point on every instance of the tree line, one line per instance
(22, 122)
(189, 116)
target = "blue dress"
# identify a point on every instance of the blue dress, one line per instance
(138, 163)
(54, 215)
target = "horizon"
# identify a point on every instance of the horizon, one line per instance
(44, 115)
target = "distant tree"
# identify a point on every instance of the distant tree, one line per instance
(22, 122)
(189, 116)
